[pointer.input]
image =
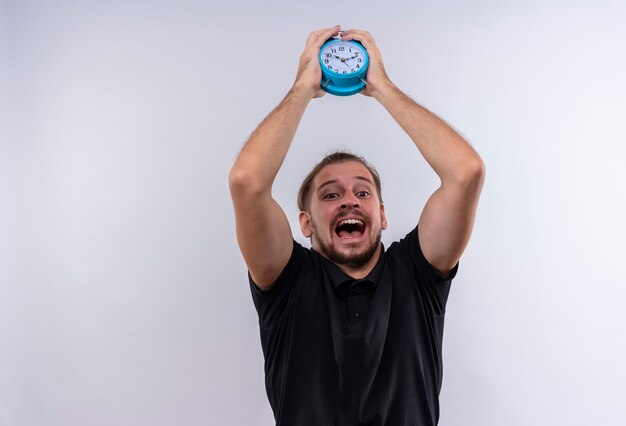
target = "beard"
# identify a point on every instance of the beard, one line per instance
(353, 257)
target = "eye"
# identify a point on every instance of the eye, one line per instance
(362, 194)
(331, 196)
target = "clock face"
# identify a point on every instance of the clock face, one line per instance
(343, 57)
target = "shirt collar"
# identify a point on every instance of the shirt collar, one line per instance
(338, 277)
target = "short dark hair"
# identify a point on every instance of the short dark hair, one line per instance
(334, 158)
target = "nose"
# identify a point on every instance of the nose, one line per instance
(350, 200)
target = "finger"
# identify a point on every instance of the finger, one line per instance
(357, 34)
(356, 31)
(363, 36)
(315, 34)
(319, 37)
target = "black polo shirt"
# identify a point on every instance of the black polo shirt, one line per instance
(341, 351)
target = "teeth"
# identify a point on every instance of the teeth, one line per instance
(351, 222)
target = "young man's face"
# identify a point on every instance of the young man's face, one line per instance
(345, 218)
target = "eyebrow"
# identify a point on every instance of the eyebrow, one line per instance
(330, 182)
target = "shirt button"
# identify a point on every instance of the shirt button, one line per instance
(357, 316)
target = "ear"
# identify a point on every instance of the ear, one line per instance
(383, 218)
(305, 224)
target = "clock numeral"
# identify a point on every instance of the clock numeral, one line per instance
(345, 72)
(326, 61)
(333, 50)
(359, 60)
(330, 67)
(352, 70)
(358, 66)
(342, 48)
(328, 55)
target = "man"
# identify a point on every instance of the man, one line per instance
(351, 332)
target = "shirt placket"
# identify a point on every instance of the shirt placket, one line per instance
(357, 305)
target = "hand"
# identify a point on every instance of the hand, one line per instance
(376, 77)
(309, 70)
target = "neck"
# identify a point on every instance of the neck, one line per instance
(362, 271)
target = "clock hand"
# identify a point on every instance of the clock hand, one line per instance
(343, 60)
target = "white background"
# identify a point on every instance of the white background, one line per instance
(123, 296)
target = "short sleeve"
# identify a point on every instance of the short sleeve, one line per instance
(428, 270)
(411, 252)
(432, 285)
(271, 304)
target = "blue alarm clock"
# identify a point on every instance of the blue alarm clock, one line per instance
(344, 65)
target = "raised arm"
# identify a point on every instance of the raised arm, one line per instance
(446, 222)
(263, 231)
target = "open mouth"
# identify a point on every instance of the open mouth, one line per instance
(350, 228)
